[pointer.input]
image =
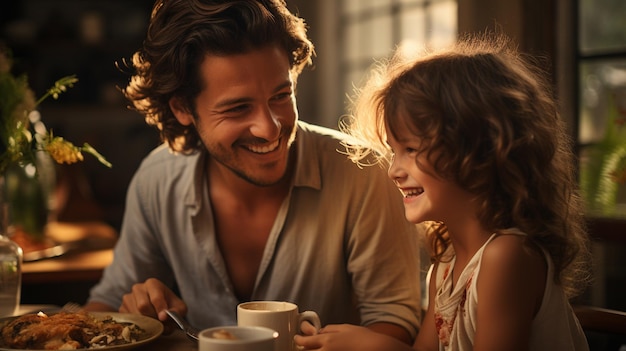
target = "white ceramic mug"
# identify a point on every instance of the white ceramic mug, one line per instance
(236, 338)
(277, 315)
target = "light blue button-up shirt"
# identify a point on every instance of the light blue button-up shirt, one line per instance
(340, 244)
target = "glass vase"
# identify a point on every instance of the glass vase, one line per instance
(10, 262)
(10, 276)
(27, 196)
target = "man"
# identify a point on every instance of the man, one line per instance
(252, 204)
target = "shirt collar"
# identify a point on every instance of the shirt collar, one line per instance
(308, 172)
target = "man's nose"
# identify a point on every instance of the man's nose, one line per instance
(266, 124)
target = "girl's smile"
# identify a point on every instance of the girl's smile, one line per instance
(410, 194)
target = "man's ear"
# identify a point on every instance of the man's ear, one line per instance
(181, 111)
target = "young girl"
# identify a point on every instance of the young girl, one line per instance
(478, 149)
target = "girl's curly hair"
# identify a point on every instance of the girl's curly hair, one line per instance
(487, 120)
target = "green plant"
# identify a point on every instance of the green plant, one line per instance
(22, 133)
(26, 147)
(604, 170)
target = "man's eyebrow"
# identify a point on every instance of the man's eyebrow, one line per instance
(286, 84)
(243, 100)
(234, 101)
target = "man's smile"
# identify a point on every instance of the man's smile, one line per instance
(263, 149)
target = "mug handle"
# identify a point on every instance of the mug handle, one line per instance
(311, 317)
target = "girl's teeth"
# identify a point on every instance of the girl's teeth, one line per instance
(412, 192)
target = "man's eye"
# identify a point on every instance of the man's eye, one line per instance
(282, 96)
(237, 109)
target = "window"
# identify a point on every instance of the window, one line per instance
(351, 35)
(372, 29)
(601, 68)
(599, 85)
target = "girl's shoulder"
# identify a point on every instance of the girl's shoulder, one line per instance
(510, 265)
(513, 251)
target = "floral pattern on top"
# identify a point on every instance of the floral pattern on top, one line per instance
(445, 325)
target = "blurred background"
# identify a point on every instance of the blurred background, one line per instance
(52, 39)
(582, 44)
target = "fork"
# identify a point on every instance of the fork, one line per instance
(192, 333)
(71, 307)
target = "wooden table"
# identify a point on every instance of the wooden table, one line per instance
(177, 341)
(24, 309)
(69, 277)
(74, 267)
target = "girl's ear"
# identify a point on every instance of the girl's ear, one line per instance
(180, 110)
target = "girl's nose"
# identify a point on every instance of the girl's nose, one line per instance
(395, 172)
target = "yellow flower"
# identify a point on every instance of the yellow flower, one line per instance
(63, 151)
(22, 136)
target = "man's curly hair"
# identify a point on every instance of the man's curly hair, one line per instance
(182, 32)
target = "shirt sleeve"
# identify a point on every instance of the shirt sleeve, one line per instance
(137, 254)
(384, 255)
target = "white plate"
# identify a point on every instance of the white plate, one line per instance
(152, 329)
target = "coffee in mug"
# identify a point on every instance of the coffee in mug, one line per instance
(283, 317)
(236, 338)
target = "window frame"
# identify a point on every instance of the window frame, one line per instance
(600, 228)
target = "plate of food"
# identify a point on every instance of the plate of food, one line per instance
(53, 244)
(108, 331)
(37, 248)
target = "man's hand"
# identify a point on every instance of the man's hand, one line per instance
(151, 299)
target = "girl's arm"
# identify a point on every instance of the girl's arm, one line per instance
(347, 337)
(427, 338)
(510, 289)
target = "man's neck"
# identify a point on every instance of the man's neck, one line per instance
(225, 185)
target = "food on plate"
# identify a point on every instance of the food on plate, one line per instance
(66, 331)
(29, 243)
(223, 334)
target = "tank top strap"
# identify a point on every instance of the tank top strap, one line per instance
(513, 231)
